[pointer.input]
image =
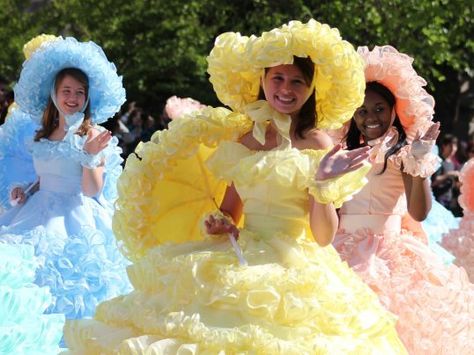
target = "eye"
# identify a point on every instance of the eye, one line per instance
(299, 82)
(361, 112)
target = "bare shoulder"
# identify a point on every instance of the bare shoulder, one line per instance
(314, 139)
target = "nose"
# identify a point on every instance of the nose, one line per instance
(286, 86)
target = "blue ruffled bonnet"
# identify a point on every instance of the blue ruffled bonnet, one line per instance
(106, 90)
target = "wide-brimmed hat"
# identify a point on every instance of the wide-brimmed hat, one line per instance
(394, 70)
(106, 91)
(236, 65)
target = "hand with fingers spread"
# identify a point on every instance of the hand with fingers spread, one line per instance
(337, 162)
(95, 143)
(18, 196)
(423, 145)
(216, 225)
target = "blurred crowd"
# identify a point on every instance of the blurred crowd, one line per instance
(133, 125)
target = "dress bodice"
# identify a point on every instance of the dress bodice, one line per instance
(56, 167)
(273, 186)
(380, 204)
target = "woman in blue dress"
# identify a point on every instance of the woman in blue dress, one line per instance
(66, 217)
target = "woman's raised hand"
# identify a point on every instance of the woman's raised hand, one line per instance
(423, 145)
(17, 196)
(220, 225)
(96, 143)
(337, 162)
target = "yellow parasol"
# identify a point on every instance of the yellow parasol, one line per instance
(166, 188)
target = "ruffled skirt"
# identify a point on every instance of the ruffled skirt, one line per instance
(460, 242)
(24, 329)
(434, 302)
(294, 297)
(76, 250)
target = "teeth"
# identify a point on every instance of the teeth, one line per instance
(373, 126)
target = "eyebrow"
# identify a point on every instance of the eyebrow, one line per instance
(281, 73)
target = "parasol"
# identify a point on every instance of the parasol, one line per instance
(166, 188)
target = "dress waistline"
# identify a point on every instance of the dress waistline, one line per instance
(376, 223)
(55, 183)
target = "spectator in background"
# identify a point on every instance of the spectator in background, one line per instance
(445, 182)
(6, 98)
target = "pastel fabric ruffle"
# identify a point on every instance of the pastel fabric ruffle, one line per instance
(439, 222)
(237, 63)
(106, 92)
(193, 297)
(394, 70)
(433, 301)
(460, 241)
(16, 168)
(24, 329)
(70, 232)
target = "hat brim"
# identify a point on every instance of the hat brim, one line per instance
(106, 91)
(236, 64)
(394, 70)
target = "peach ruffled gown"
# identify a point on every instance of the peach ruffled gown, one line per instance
(434, 302)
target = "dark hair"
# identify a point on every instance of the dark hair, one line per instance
(353, 135)
(448, 139)
(50, 117)
(307, 116)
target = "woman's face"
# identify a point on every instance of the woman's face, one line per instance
(373, 118)
(286, 89)
(70, 95)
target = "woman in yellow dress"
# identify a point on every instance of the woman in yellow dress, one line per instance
(281, 289)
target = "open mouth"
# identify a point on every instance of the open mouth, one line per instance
(285, 100)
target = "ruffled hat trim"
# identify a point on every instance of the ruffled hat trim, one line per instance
(236, 64)
(106, 90)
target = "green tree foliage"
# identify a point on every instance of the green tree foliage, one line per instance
(160, 46)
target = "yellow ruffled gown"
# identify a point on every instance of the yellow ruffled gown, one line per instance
(194, 297)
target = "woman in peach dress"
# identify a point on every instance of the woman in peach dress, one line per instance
(434, 302)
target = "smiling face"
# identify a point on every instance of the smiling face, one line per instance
(71, 95)
(286, 89)
(373, 118)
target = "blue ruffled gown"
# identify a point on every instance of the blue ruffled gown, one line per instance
(71, 233)
(24, 329)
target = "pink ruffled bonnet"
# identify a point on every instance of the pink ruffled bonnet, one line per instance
(394, 70)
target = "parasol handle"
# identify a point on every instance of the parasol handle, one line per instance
(237, 250)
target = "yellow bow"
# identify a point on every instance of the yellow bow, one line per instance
(260, 112)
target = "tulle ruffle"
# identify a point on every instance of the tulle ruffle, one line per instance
(293, 298)
(460, 242)
(292, 167)
(439, 221)
(81, 270)
(24, 329)
(73, 150)
(236, 64)
(418, 167)
(137, 204)
(176, 106)
(466, 176)
(33, 89)
(433, 301)
(16, 164)
(394, 70)
(32, 45)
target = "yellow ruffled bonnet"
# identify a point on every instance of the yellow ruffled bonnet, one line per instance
(236, 63)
